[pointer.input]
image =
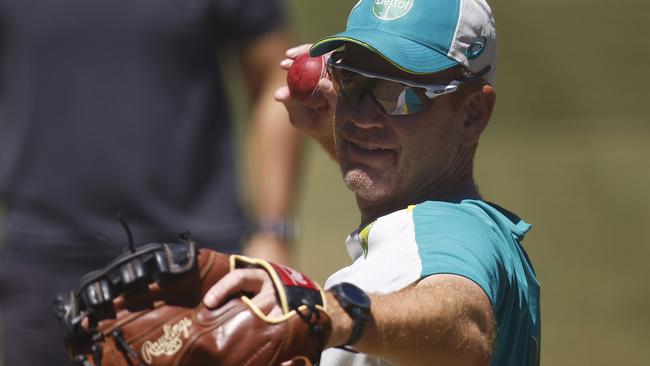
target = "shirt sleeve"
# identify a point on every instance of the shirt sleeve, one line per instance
(454, 240)
(249, 19)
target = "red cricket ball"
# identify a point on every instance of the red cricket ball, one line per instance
(304, 74)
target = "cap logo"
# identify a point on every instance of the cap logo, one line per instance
(392, 9)
(476, 48)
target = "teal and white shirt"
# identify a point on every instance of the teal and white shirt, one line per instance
(473, 239)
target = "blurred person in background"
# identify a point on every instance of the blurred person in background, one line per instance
(120, 106)
(438, 274)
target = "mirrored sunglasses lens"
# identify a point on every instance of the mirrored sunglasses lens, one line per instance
(395, 98)
(398, 99)
(408, 102)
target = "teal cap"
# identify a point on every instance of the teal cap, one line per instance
(422, 36)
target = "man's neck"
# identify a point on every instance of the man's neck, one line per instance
(464, 188)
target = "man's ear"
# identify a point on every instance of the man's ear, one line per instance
(479, 104)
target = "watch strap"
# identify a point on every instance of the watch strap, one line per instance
(358, 314)
(360, 321)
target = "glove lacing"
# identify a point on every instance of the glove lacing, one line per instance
(118, 334)
(312, 317)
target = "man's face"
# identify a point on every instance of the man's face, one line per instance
(396, 159)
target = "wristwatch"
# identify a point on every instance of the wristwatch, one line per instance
(356, 303)
(282, 228)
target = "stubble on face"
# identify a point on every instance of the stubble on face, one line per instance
(358, 181)
(425, 145)
(422, 163)
(358, 178)
(370, 183)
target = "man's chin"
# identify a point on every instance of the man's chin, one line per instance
(363, 184)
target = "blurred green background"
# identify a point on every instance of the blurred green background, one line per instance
(567, 150)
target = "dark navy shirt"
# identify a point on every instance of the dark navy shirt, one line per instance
(119, 106)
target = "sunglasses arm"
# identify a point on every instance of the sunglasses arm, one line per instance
(452, 87)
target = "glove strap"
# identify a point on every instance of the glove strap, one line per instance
(296, 292)
(294, 289)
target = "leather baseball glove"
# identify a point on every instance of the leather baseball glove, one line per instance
(145, 308)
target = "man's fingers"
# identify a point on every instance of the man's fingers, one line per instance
(235, 282)
(286, 63)
(325, 97)
(266, 300)
(255, 281)
(292, 53)
(298, 50)
(326, 89)
(282, 95)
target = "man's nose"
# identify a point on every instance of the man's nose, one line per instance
(368, 113)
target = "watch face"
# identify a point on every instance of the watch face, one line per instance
(355, 295)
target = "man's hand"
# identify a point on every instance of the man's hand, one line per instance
(253, 281)
(313, 116)
(258, 284)
(286, 312)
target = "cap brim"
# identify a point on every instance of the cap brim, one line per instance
(405, 54)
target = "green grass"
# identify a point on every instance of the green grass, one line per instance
(567, 150)
(585, 192)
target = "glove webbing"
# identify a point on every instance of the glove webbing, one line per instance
(134, 270)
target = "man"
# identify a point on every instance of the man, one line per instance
(449, 283)
(110, 107)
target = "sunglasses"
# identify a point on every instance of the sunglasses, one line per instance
(397, 97)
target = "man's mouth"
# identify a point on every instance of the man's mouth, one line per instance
(367, 150)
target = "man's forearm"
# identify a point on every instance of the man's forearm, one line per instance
(445, 322)
(274, 148)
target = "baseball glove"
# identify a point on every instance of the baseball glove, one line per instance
(145, 308)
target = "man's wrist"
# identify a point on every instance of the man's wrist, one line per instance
(342, 323)
(283, 228)
(354, 301)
